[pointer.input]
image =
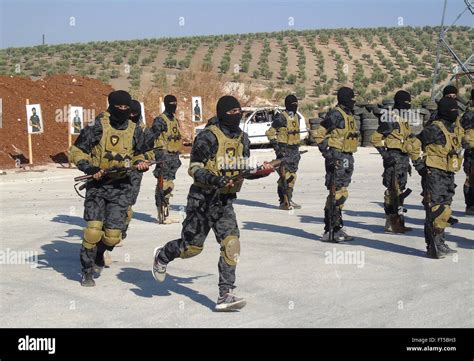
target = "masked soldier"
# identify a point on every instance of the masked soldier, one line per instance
(284, 136)
(441, 159)
(449, 91)
(217, 152)
(394, 141)
(135, 175)
(167, 137)
(467, 123)
(111, 141)
(337, 138)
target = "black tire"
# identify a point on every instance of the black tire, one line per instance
(369, 126)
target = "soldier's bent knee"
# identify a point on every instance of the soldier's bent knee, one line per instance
(190, 251)
(92, 233)
(112, 237)
(230, 250)
(442, 220)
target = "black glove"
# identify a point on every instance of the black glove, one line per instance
(323, 147)
(420, 167)
(219, 181)
(92, 170)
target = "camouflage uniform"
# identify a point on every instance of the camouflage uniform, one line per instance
(107, 200)
(284, 136)
(167, 137)
(338, 138)
(208, 207)
(396, 143)
(441, 145)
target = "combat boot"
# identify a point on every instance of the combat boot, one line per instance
(295, 205)
(87, 279)
(446, 249)
(394, 224)
(229, 302)
(435, 250)
(405, 228)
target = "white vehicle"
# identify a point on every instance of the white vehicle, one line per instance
(256, 121)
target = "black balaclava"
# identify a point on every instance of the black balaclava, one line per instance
(135, 111)
(345, 97)
(119, 97)
(448, 109)
(170, 108)
(224, 104)
(450, 89)
(290, 101)
(402, 100)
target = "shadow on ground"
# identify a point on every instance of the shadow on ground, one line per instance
(146, 286)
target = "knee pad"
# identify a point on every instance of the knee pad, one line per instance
(168, 186)
(230, 250)
(190, 251)
(341, 196)
(112, 237)
(129, 215)
(290, 179)
(442, 220)
(92, 234)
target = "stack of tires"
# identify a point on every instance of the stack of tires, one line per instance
(370, 123)
(313, 125)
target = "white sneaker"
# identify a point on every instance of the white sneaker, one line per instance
(159, 269)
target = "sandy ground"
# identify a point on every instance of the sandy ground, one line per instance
(287, 275)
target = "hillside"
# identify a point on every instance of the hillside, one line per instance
(311, 63)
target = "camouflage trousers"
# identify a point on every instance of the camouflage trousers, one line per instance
(343, 168)
(205, 211)
(105, 211)
(468, 167)
(441, 187)
(168, 169)
(287, 171)
(401, 168)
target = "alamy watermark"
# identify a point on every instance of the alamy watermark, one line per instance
(12, 257)
(356, 258)
(412, 116)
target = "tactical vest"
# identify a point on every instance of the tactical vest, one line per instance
(346, 139)
(171, 139)
(445, 157)
(291, 133)
(398, 137)
(227, 160)
(115, 148)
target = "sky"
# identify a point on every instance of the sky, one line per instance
(22, 22)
